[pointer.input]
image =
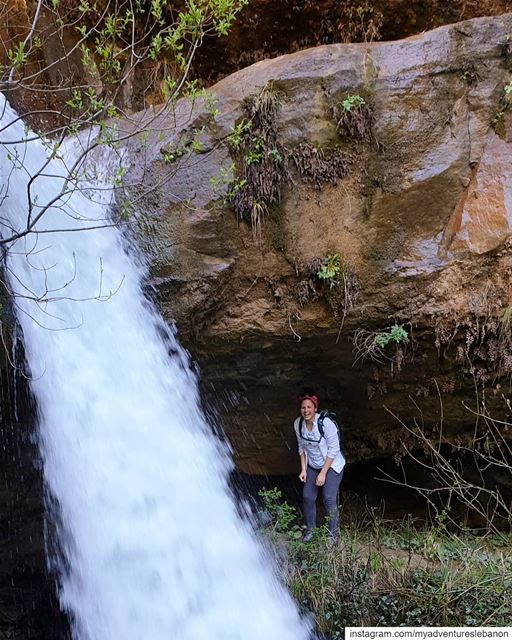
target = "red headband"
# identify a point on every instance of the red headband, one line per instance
(313, 399)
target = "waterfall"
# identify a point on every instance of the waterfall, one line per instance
(152, 547)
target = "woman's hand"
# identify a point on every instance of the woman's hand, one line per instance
(320, 479)
(302, 476)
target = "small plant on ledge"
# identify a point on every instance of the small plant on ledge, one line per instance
(396, 334)
(505, 104)
(342, 292)
(329, 269)
(387, 345)
(352, 103)
(354, 118)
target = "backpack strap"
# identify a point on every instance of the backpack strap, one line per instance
(320, 423)
(301, 427)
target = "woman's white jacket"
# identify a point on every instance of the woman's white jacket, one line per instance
(329, 445)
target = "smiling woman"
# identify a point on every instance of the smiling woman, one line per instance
(321, 463)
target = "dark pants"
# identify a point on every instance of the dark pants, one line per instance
(329, 495)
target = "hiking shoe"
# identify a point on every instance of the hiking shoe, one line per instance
(307, 536)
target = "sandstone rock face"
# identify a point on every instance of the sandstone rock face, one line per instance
(481, 221)
(421, 219)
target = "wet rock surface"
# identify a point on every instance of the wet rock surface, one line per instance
(29, 608)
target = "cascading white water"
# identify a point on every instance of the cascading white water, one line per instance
(153, 548)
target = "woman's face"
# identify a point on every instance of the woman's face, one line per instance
(307, 409)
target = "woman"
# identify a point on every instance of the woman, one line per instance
(321, 464)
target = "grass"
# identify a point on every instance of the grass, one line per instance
(394, 574)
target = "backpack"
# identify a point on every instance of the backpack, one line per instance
(320, 424)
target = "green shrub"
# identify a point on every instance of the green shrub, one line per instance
(367, 580)
(352, 102)
(355, 118)
(282, 515)
(329, 268)
(395, 334)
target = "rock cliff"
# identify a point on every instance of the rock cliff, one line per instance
(408, 197)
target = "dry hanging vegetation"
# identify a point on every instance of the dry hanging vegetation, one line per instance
(482, 343)
(261, 161)
(261, 166)
(317, 166)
